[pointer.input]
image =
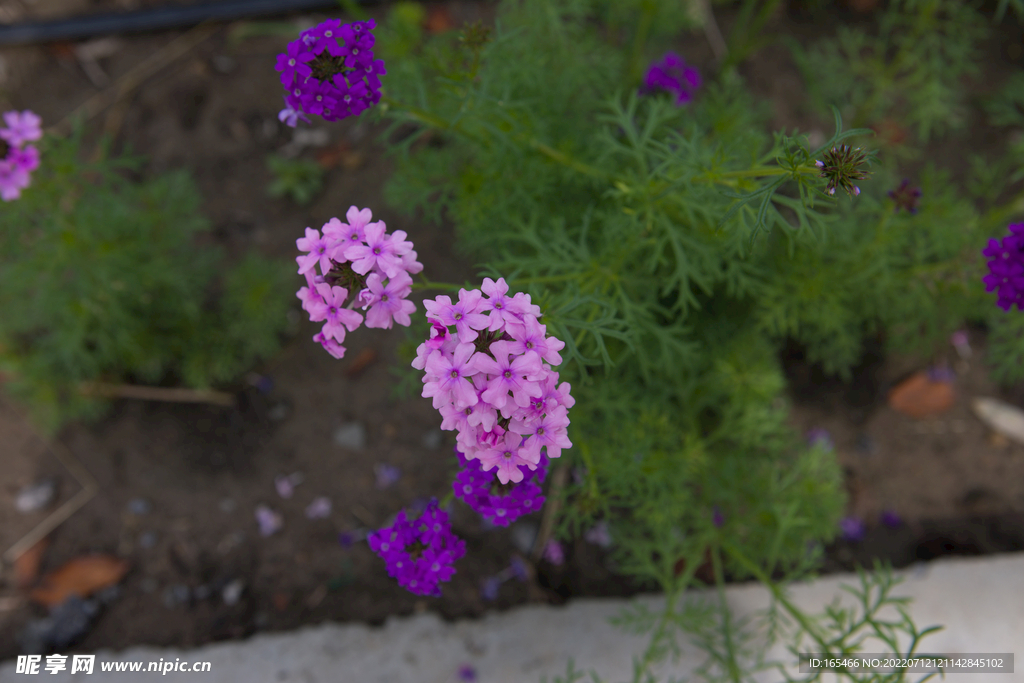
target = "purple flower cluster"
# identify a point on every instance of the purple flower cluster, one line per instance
(500, 504)
(488, 381)
(17, 159)
(1006, 268)
(420, 553)
(330, 79)
(355, 257)
(672, 75)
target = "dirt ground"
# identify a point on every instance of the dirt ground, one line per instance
(202, 470)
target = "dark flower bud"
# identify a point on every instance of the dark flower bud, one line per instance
(841, 166)
(906, 197)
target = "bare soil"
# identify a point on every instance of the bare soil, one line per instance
(203, 469)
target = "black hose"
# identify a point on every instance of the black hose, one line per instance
(151, 20)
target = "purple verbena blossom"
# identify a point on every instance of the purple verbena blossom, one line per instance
(329, 78)
(419, 553)
(319, 508)
(553, 553)
(671, 74)
(387, 475)
(269, 522)
(852, 528)
(1006, 268)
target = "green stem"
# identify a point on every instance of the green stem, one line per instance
(809, 626)
(642, 29)
(427, 284)
(730, 650)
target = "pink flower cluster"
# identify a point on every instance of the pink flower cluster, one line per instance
(420, 553)
(488, 379)
(358, 256)
(17, 159)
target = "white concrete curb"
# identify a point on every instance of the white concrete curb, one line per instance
(979, 601)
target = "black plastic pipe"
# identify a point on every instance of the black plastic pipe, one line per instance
(161, 18)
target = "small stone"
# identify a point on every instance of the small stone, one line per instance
(71, 621)
(178, 594)
(351, 435)
(109, 594)
(865, 444)
(523, 536)
(36, 496)
(278, 411)
(139, 506)
(233, 592)
(224, 64)
(432, 439)
(148, 585)
(227, 505)
(147, 539)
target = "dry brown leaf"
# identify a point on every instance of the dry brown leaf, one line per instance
(362, 360)
(918, 396)
(82, 576)
(438, 20)
(26, 567)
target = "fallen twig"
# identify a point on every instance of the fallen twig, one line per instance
(550, 512)
(81, 475)
(135, 77)
(173, 395)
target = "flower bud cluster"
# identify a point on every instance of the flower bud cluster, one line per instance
(420, 553)
(17, 159)
(330, 79)
(358, 256)
(489, 380)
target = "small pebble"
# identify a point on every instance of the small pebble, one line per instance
(523, 536)
(865, 444)
(432, 439)
(178, 594)
(278, 411)
(227, 505)
(148, 585)
(139, 506)
(147, 539)
(36, 496)
(71, 620)
(109, 594)
(224, 64)
(233, 592)
(351, 436)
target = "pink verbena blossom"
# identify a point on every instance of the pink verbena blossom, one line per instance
(18, 159)
(383, 292)
(490, 382)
